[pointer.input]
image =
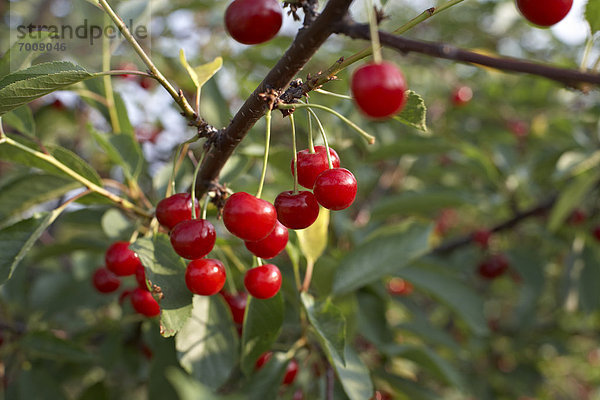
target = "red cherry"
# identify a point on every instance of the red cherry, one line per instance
(482, 237)
(253, 21)
(596, 232)
(237, 305)
(193, 239)
(544, 12)
(146, 83)
(379, 90)
(335, 188)
(263, 282)
(296, 211)
(105, 281)
(174, 209)
(140, 277)
(124, 294)
(263, 359)
(493, 266)
(310, 165)
(577, 217)
(144, 303)
(128, 66)
(249, 217)
(399, 287)
(272, 245)
(461, 96)
(290, 372)
(205, 276)
(121, 260)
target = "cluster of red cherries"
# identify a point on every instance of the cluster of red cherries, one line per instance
(120, 262)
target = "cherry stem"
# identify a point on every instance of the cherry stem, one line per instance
(194, 186)
(308, 277)
(177, 160)
(259, 261)
(266, 156)
(322, 130)
(374, 29)
(295, 153)
(205, 205)
(311, 145)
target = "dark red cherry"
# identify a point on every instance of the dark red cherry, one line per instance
(461, 96)
(124, 294)
(193, 239)
(105, 281)
(596, 232)
(577, 217)
(249, 217)
(263, 282)
(482, 237)
(270, 246)
(121, 260)
(290, 372)
(544, 12)
(253, 21)
(205, 276)
(144, 303)
(399, 287)
(237, 305)
(493, 266)
(310, 165)
(140, 277)
(335, 188)
(296, 211)
(174, 209)
(379, 90)
(263, 359)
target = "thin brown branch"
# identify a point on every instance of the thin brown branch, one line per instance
(304, 46)
(456, 243)
(569, 77)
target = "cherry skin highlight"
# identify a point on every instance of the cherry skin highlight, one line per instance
(263, 359)
(290, 372)
(144, 303)
(379, 90)
(105, 281)
(335, 188)
(121, 260)
(263, 282)
(253, 21)
(297, 211)
(174, 209)
(272, 245)
(310, 165)
(249, 217)
(544, 12)
(205, 276)
(493, 266)
(193, 239)
(461, 96)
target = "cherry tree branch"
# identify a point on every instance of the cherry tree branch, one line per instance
(569, 77)
(304, 46)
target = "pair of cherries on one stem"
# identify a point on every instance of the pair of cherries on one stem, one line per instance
(192, 239)
(122, 261)
(333, 188)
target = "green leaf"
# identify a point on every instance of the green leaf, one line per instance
(207, 343)
(15, 58)
(115, 225)
(17, 239)
(313, 240)
(427, 359)
(571, 197)
(123, 150)
(22, 192)
(409, 145)
(423, 203)
(166, 269)
(190, 389)
(329, 324)
(201, 74)
(411, 389)
(592, 15)
(262, 325)
(9, 152)
(589, 280)
(383, 255)
(24, 86)
(353, 375)
(123, 117)
(266, 382)
(44, 344)
(21, 119)
(450, 290)
(414, 112)
(38, 384)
